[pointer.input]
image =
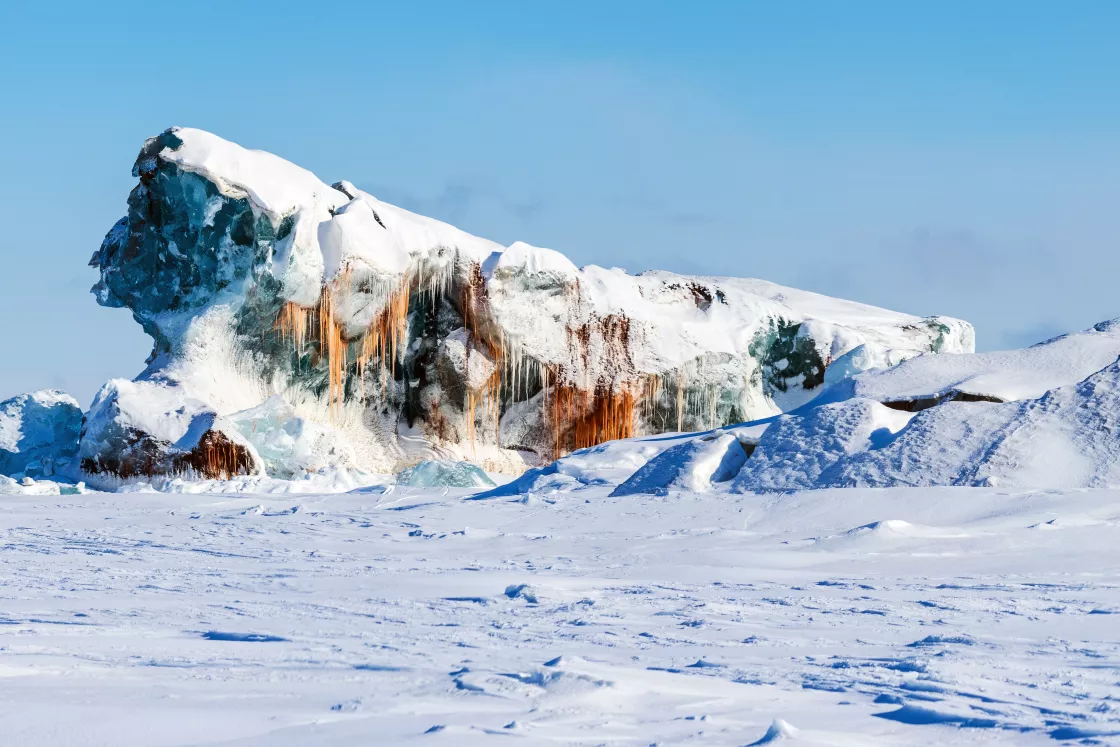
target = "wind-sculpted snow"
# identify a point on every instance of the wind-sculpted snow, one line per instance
(870, 618)
(410, 339)
(690, 466)
(1068, 438)
(804, 450)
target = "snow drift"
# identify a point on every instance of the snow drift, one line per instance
(1044, 416)
(376, 339)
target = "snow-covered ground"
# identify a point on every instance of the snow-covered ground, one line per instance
(841, 617)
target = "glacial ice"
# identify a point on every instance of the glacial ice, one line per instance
(29, 486)
(435, 474)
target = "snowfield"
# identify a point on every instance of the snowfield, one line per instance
(904, 616)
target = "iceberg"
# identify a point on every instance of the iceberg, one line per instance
(39, 434)
(395, 336)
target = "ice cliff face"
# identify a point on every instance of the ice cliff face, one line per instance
(375, 338)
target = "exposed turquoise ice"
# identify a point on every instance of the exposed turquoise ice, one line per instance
(435, 474)
(289, 444)
(181, 242)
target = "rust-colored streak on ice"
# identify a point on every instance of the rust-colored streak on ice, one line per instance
(586, 413)
(294, 324)
(381, 342)
(386, 336)
(215, 457)
(332, 349)
(475, 309)
(581, 419)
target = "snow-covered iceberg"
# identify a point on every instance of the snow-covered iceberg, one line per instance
(39, 434)
(404, 338)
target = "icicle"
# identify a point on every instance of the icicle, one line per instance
(386, 336)
(713, 402)
(294, 324)
(680, 403)
(333, 349)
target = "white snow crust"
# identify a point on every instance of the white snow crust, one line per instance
(889, 618)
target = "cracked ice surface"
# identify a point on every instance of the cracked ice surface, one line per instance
(856, 617)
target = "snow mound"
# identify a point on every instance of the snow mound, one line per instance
(1065, 438)
(39, 434)
(889, 526)
(779, 731)
(609, 463)
(690, 466)
(897, 529)
(802, 450)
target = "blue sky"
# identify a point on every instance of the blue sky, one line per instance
(959, 158)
